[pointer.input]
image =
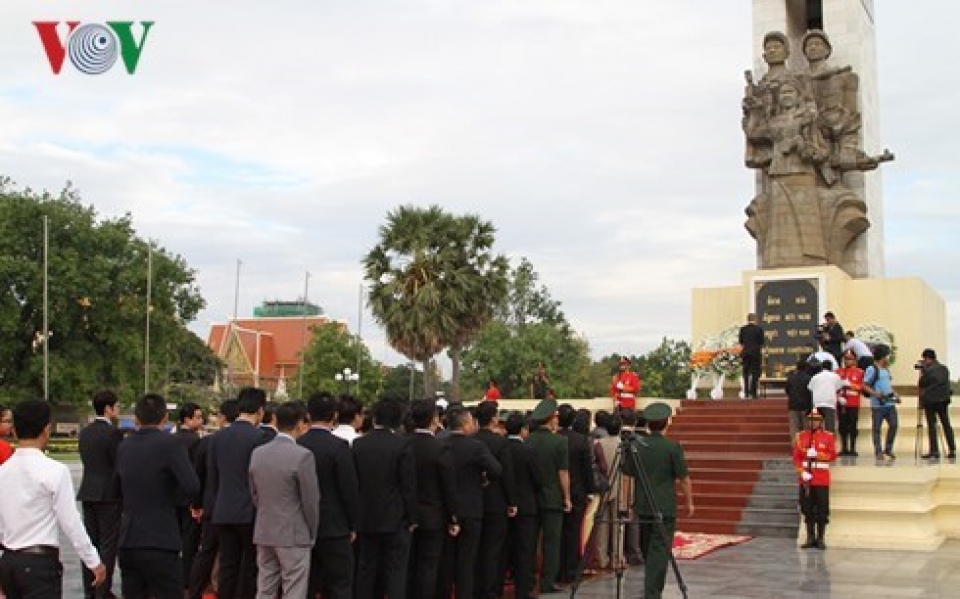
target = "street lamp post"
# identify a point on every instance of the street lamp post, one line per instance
(347, 377)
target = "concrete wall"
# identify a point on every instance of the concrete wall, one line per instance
(907, 307)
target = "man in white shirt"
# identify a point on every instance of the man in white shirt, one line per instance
(38, 496)
(860, 349)
(349, 419)
(824, 387)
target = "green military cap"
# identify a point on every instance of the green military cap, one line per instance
(657, 411)
(544, 409)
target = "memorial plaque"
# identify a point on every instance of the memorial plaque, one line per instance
(787, 310)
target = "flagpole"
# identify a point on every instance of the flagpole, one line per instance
(229, 331)
(303, 332)
(146, 336)
(359, 324)
(46, 322)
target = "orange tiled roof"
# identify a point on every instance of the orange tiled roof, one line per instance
(280, 341)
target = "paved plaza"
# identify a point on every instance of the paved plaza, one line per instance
(764, 567)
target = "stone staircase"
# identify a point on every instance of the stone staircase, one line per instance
(738, 455)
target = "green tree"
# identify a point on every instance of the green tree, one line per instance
(97, 304)
(434, 282)
(398, 386)
(331, 350)
(530, 327)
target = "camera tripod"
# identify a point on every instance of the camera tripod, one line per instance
(627, 452)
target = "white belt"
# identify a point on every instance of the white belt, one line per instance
(623, 395)
(819, 465)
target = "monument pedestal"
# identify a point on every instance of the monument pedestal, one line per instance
(790, 303)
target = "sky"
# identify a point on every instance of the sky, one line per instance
(601, 138)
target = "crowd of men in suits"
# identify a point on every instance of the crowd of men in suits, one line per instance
(295, 500)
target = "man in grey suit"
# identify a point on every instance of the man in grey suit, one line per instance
(284, 489)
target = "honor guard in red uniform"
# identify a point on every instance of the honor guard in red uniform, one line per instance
(625, 386)
(813, 451)
(848, 404)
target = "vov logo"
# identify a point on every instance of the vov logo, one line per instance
(93, 47)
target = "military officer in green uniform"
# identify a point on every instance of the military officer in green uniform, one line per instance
(553, 497)
(663, 462)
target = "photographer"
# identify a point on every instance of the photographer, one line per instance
(878, 384)
(832, 337)
(934, 387)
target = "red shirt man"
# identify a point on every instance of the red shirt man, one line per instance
(848, 404)
(625, 386)
(813, 450)
(493, 391)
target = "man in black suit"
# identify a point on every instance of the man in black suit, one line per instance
(331, 561)
(580, 452)
(751, 341)
(499, 504)
(388, 503)
(475, 466)
(154, 469)
(99, 491)
(436, 500)
(202, 507)
(268, 424)
(228, 466)
(190, 422)
(522, 533)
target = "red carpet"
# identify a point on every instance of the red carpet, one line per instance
(691, 545)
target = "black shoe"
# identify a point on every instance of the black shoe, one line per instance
(854, 453)
(930, 456)
(820, 544)
(890, 455)
(551, 589)
(810, 544)
(952, 455)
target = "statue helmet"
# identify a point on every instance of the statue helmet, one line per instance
(820, 34)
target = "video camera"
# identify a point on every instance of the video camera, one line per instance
(919, 365)
(891, 398)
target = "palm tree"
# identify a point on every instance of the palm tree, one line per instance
(433, 280)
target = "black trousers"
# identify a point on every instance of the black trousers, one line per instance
(189, 541)
(489, 574)
(383, 557)
(150, 574)
(331, 568)
(522, 554)
(932, 412)
(847, 418)
(751, 373)
(460, 556)
(24, 576)
(102, 521)
(238, 561)
(570, 539)
(203, 561)
(815, 504)
(426, 548)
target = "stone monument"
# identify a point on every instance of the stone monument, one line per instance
(802, 129)
(810, 125)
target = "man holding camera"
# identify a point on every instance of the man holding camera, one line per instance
(813, 450)
(831, 336)
(934, 387)
(878, 384)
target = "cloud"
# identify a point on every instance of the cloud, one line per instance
(601, 138)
